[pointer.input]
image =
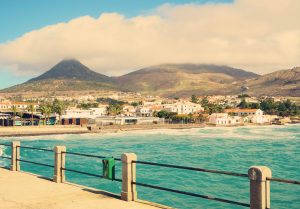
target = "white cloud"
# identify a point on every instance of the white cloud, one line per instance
(259, 35)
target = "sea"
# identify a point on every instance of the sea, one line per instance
(233, 149)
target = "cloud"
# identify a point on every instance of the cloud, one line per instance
(258, 35)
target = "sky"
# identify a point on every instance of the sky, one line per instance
(118, 36)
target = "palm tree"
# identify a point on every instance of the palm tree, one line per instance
(43, 110)
(31, 109)
(114, 109)
(14, 109)
(58, 107)
(21, 116)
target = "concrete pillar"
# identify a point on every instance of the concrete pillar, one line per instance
(259, 187)
(59, 163)
(15, 155)
(129, 192)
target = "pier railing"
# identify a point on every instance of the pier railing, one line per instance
(259, 176)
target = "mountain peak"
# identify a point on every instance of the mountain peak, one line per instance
(71, 69)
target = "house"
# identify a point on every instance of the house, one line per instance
(251, 115)
(183, 107)
(244, 112)
(18, 105)
(223, 119)
(129, 110)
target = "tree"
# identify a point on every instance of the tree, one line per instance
(114, 109)
(135, 104)
(14, 109)
(59, 107)
(46, 111)
(31, 109)
(194, 99)
(243, 104)
(204, 102)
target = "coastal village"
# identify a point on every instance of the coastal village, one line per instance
(127, 108)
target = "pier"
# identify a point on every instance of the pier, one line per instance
(21, 190)
(17, 184)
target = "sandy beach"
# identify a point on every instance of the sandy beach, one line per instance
(72, 129)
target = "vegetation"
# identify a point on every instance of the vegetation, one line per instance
(87, 106)
(194, 99)
(46, 111)
(110, 101)
(114, 109)
(211, 107)
(14, 109)
(31, 109)
(59, 107)
(269, 106)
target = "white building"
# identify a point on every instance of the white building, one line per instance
(224, 119)
(90, 113)
(129, 110)
(250, 115)
(18, 105)
(183, 107)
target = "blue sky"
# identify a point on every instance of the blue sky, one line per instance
(18, 17)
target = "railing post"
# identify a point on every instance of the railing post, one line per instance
(129, 192)
(259, 187)
(59, 163)
(15, 156)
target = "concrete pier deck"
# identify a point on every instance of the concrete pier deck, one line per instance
(19, 190)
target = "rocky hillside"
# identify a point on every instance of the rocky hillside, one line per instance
(184, 79)
(279, 83)
(168, 80)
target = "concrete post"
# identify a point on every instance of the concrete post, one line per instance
(59, 162)
(15, 155)
(129, 192)
(259, 187)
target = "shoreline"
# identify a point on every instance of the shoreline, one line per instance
(72, 129)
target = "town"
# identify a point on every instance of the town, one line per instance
(128, 108)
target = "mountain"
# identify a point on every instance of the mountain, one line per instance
(67, 75)
(184, 79)
(170, 80)
(278, 83)
(71, 69)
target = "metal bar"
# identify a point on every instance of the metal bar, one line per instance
(8, 145)
(192, 168)
(85, 155)
(36, 163)
(89, 174)
(35, 148)
(5, 157)
(284, 180)
(192, 194)
(116, 179)
(81, 172)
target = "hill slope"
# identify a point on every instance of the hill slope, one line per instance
(67, 75)
(71, 69)
(279, 83)
(184, 79)
(166, 80)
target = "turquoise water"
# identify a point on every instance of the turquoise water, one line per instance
(228, 149)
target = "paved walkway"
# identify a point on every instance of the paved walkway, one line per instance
(20, 190)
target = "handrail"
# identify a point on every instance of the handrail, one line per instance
(284, 180)
(36, 148)
(89, 174)
(8, 145)
(192, 168)
(192, 194)
(36, 163)
(5, 157)
(88, 155)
